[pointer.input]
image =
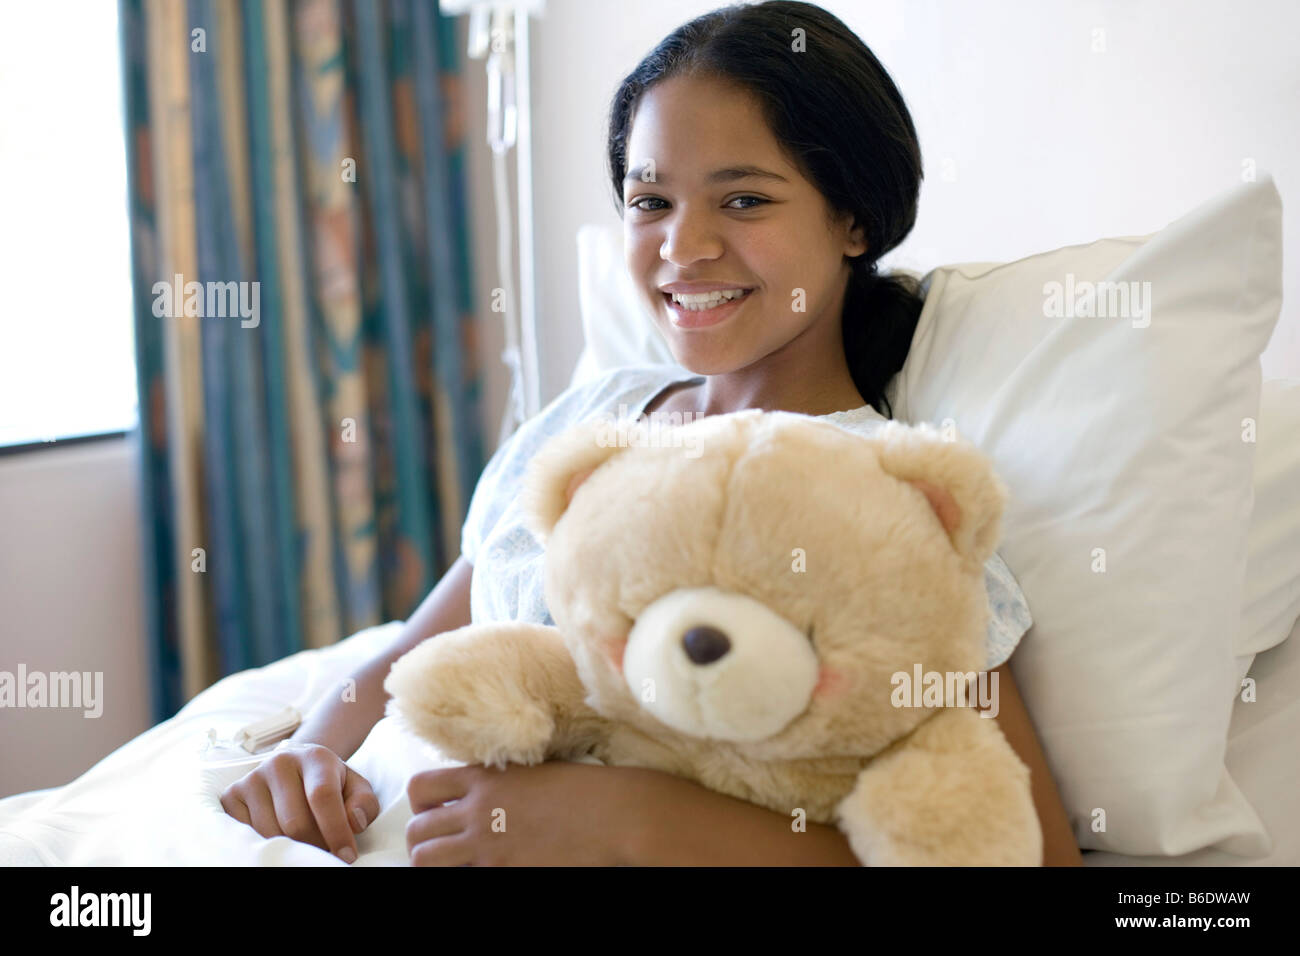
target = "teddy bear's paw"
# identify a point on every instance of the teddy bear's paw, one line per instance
(923, 808)
(512, 733)
(464, 693)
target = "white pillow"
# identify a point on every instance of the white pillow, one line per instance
(1272, 604)
(1261, 758)
(1121, 439)
(616, 329)
(1025, 385)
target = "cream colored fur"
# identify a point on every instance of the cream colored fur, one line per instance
(873, 547)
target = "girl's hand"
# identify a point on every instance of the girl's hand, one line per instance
(551, 814)
(307, 793)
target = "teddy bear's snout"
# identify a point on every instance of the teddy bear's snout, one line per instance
(704, 645)
(718, 664)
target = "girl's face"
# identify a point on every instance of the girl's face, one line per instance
(722, 208)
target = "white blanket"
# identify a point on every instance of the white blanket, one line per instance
(155, 800)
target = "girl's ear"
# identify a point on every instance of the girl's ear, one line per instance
(956, 478)
(855, 239)
(559, 468)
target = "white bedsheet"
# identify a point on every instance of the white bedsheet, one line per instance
(154, 801)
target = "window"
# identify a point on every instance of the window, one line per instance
(67, 365)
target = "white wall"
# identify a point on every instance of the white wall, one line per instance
(1049, 143)
(71, 599)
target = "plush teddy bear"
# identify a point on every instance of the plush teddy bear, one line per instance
(742, 605)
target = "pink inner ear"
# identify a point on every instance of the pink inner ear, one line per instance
(614, 650)
(829, 682)
(944, 504)
(574, 483)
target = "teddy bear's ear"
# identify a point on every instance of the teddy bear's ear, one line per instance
(956, 478)
(557, 470)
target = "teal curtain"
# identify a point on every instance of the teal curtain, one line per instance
(307, 468)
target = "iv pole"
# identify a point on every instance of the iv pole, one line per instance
(498, 33)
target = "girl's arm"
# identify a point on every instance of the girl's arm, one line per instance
(1059, 846)
(306, 792)
(681, 823)
(677, 822)
(343, 724)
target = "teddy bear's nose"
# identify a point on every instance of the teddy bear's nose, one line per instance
(705, 644)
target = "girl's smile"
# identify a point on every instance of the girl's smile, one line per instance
(706, 314)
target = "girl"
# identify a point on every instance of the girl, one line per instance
(761, 152)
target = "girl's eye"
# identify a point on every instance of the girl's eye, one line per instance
(637, 203)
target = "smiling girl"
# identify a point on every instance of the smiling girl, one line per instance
(763, 161)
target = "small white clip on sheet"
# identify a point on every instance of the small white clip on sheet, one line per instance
(262, 733)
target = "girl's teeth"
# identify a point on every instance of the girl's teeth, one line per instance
(699, 301)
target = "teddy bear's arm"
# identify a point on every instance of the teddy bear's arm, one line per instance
(495, 694)
(953, 793)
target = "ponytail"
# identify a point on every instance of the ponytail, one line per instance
(879, 320)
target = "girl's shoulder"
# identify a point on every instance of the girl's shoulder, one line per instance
(624, 390)
(621, 391)
(498, 485)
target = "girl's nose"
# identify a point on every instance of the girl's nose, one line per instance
(689, 240)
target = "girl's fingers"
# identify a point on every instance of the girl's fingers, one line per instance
(307, 794)
(444, 851)
(294, 815)
(261, 811)
(359, 800)
(236, 807)
(432, 824)
(322, 783)
(432, 788)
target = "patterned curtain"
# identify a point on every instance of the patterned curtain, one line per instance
(309, 407)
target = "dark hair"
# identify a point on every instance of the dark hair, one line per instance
(842, 121)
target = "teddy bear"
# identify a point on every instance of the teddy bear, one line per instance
(742, 615)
